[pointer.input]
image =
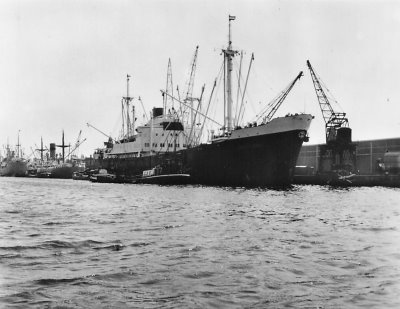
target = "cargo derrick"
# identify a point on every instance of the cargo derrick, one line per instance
(274, 105)
(338, 155)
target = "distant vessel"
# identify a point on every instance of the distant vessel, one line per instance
(56, 167)
(15, 167)
(263, 153)
(13, 164)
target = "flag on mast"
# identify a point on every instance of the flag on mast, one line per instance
(232, 17)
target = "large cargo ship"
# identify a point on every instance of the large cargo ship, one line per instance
(263, 153)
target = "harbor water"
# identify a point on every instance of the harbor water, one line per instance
(76, 244)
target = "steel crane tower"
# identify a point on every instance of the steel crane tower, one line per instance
(333, 120)
(338, 155)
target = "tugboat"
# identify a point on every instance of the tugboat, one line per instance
(263, 153)
(156, 176)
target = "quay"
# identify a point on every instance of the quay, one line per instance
(370, 166)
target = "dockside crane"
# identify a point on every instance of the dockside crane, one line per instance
(333, 120)
(339, 153)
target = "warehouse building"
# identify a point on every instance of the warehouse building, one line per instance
(369, 155)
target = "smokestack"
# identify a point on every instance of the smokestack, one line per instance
(52, 151)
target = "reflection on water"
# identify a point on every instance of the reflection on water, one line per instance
(75, 244)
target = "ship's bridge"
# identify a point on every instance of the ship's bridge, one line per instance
(162, 133)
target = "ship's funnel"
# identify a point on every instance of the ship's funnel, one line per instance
(52, 151)
(157, 111)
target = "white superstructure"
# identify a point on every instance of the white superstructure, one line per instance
(161, 134)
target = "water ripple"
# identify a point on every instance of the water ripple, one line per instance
(73, 244)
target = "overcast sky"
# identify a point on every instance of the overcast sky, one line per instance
(64, 63)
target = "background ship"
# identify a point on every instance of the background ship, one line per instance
(15, 167)
(56, 167)
(13, 164)
(262, 153)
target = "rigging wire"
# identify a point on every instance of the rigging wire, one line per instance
(214, 105)
(245, 87)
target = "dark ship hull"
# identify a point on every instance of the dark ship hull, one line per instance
(63, 172)
(264, 160)
(60, 172)
(267, 160)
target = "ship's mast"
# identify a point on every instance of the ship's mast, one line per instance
(41, 149)
(18, 145)
(228, 58)
(151, 135)
(168, 87)
(8, 148)
(130, 126)
(63, 146)
(189, 92)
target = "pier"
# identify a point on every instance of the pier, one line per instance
(370, 168)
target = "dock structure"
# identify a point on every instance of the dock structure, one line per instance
(370, 164)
